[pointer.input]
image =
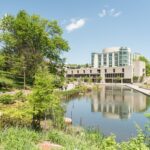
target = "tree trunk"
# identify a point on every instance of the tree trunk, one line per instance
(36, 121)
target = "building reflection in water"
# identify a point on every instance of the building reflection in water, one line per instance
(117, 102)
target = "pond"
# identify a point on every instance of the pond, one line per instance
(112, 109)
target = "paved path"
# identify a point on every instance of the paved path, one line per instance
(10, 93)
(136, 87)
(26, 92)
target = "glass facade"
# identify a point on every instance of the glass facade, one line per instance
(114, 75)
(92, 59)
(116, 57)
(124, 57)
(105, 59)
(110, 59)
(99, 60)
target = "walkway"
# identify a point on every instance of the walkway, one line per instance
(136, 87)
(26, 92)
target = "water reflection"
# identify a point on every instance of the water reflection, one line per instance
(113, 109)
(117, 102)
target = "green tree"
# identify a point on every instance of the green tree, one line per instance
(135, 79)
(147, 63)
(98, 79)
(43, 100)
(29, 40)
(142, 58)
(90, 80)
(2, 61)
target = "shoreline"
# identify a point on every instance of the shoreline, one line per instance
(132, 86)
(137, 88)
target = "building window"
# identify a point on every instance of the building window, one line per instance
(105, 59)
(110, 60)
(98, 70)
(72, 72)
(83, 71)
(113, 70)
(77, 71)
(90, 71)
(124, 57)
(105, 70)
(122, 69)
(116, 59)
(99, 60)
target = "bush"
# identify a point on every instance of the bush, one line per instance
(20, 96)
(18, 114)
(135, 79)
(7, 99)
(73, 92)
(14, 121)
(141, 79)
(6, 83)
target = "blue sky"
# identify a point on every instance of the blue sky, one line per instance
(91, 25)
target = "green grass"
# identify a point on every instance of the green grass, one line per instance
(71, 139)
(73, 92)
(18, 139)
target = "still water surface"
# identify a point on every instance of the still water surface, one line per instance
(113, 109)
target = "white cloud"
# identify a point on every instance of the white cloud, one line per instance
(109, 12)
(102, 13)
(117, 14)
(75, 24)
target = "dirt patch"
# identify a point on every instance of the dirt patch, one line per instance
(46, 145)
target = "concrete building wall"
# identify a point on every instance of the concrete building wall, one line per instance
(82, 71)
(125, 72)
(110, 74)
(128, 72)
(95, 60)
(139, 68)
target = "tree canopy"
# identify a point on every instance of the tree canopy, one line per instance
(147, 63)
(43, 100)
(2, 60)
(29, 40)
